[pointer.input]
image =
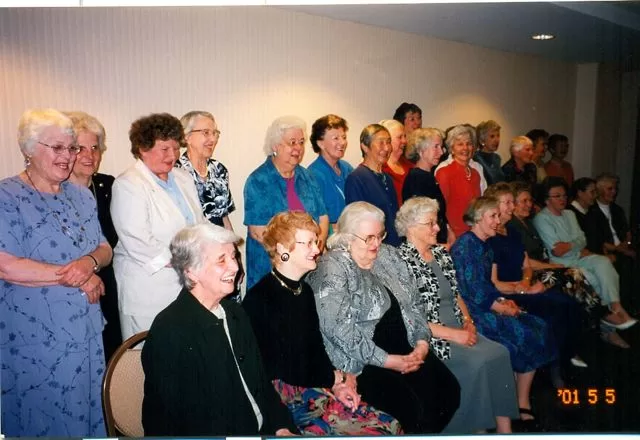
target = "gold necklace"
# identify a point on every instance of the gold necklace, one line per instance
(297, 291)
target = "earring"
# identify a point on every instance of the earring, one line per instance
(275, 153)
(284, 257)
(27, 161)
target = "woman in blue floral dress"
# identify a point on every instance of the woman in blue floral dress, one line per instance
(51, 246)
(526, 337)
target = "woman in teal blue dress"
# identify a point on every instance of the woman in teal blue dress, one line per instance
(51, 247)
(526, 337)
(329, 139)
(279, 184)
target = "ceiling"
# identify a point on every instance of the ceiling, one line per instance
(585, 31)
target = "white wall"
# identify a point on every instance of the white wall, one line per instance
(248, 65)
(582, 142)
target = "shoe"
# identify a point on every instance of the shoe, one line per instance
(622, 326)
(527, 412)
(614, 338)
(577, 362)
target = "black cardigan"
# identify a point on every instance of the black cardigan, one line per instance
(192, 386)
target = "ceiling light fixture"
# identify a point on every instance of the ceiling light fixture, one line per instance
(543, 37)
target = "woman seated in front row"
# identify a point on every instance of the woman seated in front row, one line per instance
(203, 371)
(482, 367)
(364, 296)
(526, 336)
(570, 279)
(566, 243)
(511, 273)
(322, 399)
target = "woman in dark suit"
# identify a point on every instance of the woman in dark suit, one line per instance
(203, 371)
(92, 143)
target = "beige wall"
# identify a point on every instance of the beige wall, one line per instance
(248, 65)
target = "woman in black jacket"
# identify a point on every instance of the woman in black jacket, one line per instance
(203, 371)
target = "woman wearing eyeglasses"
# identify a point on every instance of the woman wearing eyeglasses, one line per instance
(323, 400)
(364, 296)
(280, 184)
(566, 244)
(91, 141)
(210, 176)
(151, 202)
(51, 247)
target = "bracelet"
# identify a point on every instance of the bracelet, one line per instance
(96, 266)
(468, 319)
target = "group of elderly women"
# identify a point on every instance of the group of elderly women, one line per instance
(340, 332)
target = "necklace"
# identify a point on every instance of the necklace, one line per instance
(66, 230)
(467, 173)
(297, 291)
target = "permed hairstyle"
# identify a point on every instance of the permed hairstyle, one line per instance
(282, 229)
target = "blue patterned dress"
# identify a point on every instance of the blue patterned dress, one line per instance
(50, 337)
(526, 337)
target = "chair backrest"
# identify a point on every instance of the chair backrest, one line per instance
(123, 390)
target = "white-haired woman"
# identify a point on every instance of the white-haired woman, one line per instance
(459, 181)
(424, 148)
(520, 168)
(280, 184)
(364, 295)
(397, 166)
(526, 336)
(91, 140)
(488, 133)
(51, 247)
(211, 177)
(488, 393)
(203, 372)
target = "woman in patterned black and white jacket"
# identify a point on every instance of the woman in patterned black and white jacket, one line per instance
(482, 367)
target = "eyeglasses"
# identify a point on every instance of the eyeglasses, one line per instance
(369, 239)
(59, 148)
(292, 143)
(558, 196)
(430, 224)
(208, 133)
(309, 243)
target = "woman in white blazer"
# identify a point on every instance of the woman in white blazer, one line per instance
(151, 202)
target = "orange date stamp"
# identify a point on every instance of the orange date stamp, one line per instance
(590, 396)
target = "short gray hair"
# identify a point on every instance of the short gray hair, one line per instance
(349, 220)
(518, 142)
(477, 208)
(34, 121)
(420, 139)
(412, 211)
(188, 247)
(276, 131)
(390, 124)
(484, 128)
(85, 122)
(457, 132)
(188, 120)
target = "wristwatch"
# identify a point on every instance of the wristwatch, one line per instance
(96, 266)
